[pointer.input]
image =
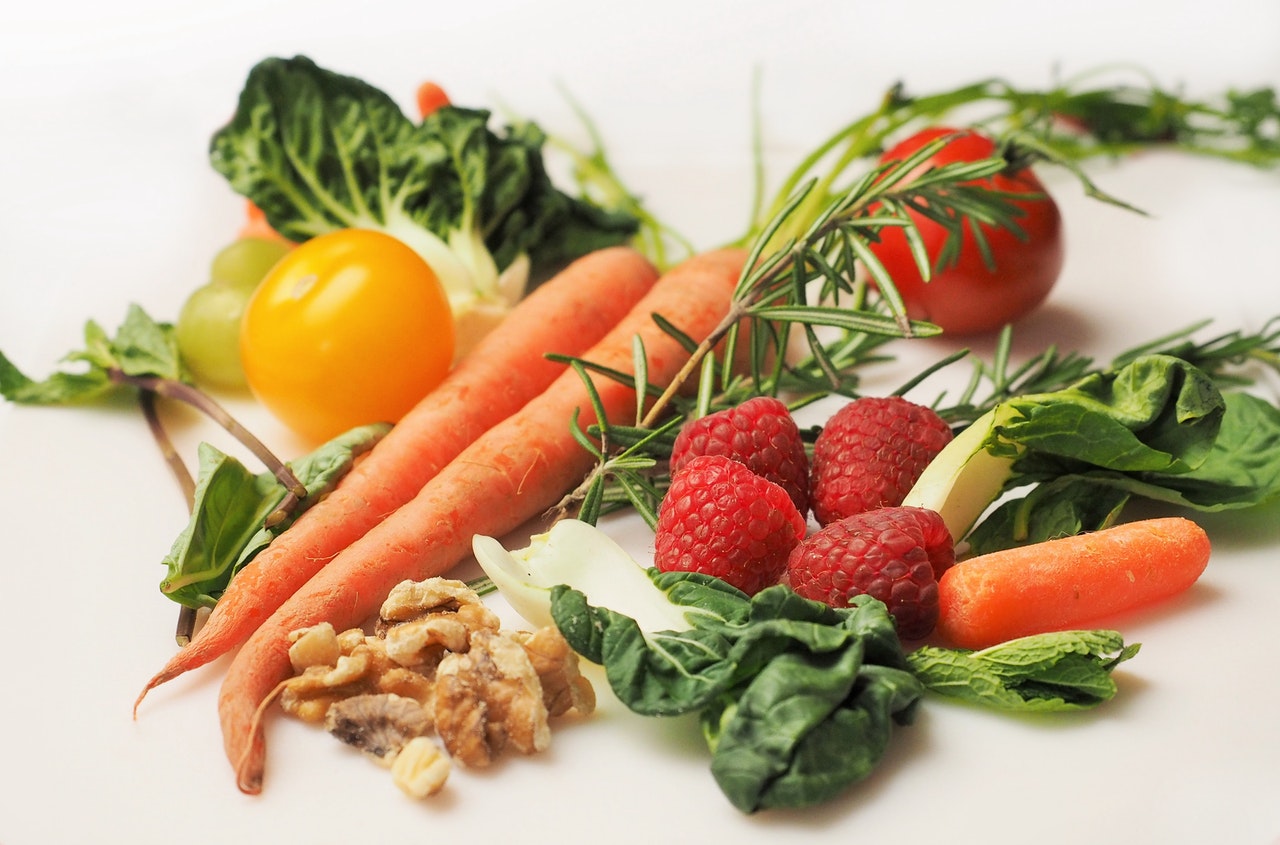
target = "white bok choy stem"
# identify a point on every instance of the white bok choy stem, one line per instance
(581, 556)
(964, 479)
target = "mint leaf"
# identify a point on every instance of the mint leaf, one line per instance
(141, 347)
(1066, 670)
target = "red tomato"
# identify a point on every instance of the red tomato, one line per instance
(968, 296)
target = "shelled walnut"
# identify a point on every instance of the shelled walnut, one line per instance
(563, 686)
(489, 697)
(378, 724)
(437, 661)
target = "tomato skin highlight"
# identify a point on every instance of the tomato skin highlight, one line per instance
(350, 328)
(969, 297)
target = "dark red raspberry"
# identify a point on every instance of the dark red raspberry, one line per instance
(720, 518)
(893, 554)
(759, 433)
(870, 453)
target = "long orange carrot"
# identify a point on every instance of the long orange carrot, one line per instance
(516, 470)
(567, 314)
(1069, 583)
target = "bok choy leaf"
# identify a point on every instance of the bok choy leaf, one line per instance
(319, 151)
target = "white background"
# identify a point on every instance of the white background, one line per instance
(105, 115)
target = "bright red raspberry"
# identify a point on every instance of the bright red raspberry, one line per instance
(893, 554)
(759, 433)
(870, 453)
(720, 518)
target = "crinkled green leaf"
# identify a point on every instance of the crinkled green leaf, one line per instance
(1155, 414)
(1240, 468)
(806, 727)
(319, 151)
(1068, 670)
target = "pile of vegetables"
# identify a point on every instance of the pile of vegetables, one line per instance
(332, 164)
(892, 228)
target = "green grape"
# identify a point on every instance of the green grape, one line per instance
(208, 333)
(244, 262)
(208, 326)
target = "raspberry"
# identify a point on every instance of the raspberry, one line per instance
(893, 554)
(759, 433)
(870, 454)
(720, 518)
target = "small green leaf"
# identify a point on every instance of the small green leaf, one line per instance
(1068, 670)
(141, 347)
(226, 528)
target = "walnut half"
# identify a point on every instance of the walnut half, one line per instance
(421, 768)
(379, 724)
(490, 697)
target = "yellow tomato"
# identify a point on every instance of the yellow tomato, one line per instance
(349, 328)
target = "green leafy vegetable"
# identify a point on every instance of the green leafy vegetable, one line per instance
(1066, 461)
(228, 525)
(1068, 670)
(319, 151)
(797, 699)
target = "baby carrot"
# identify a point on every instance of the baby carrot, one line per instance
(256, 225)
(430, 97)
(567, 314)
(515, 471)
(1070, 582)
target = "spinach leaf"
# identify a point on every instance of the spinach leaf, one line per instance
(1155, 414)
(228, 527)
(1238, 466)
(797, 699)
(1067, 670)
(806, 727)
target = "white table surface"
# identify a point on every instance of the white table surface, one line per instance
(105, 114)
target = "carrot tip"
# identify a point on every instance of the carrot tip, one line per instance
(152, 684)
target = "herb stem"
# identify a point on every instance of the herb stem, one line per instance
(186, 483)
(203, 402)
(737, 310)
(186, 626)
